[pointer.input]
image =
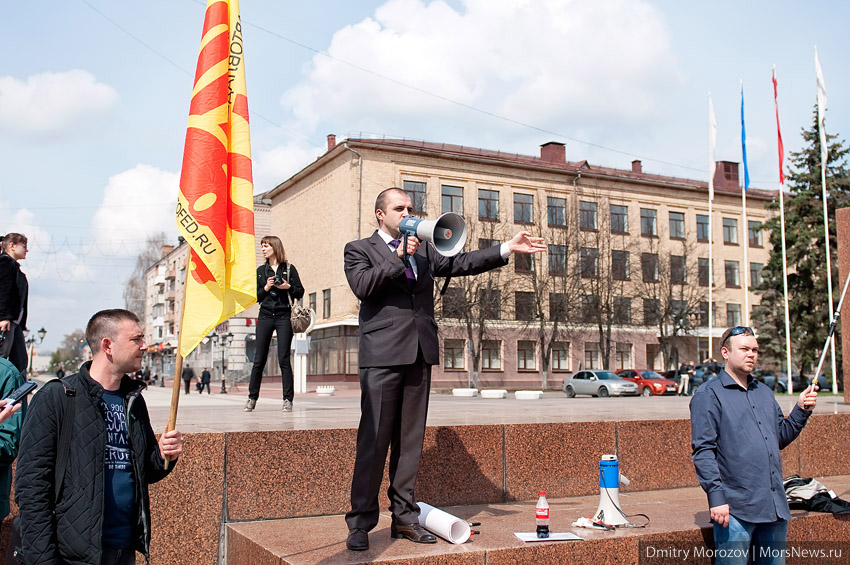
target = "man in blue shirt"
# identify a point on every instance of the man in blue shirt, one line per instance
(737, 430)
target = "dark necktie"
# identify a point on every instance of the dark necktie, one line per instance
(411, 277)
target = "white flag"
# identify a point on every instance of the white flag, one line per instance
(821, 110)
(712, 141)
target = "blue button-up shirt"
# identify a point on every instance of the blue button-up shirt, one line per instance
(736, 435)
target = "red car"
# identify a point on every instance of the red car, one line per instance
(649, 382)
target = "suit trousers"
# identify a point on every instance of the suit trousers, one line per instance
(394, 407)
(266, 325)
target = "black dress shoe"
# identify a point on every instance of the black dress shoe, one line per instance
(413, 532)
(358, 540)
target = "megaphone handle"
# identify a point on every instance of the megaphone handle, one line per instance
(406, 257)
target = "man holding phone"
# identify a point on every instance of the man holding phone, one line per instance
(11, 418)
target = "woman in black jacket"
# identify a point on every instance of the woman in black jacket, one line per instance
(13, 300)
(277, 282)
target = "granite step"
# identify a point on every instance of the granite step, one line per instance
(678, 522)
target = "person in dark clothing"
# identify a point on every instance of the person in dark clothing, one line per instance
(10, 429)
(188, 373)
(205, 380)
(277, 283)
(14, 290)
(101, 513)
(60, 373)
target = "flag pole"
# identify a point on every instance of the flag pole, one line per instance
(823, 154)
(712, 164)
(746, 226)
(781, 149)
(178, 372)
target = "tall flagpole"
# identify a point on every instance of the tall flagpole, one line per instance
(823, 158)
(746, 230)
(782, 228)
(712, 164)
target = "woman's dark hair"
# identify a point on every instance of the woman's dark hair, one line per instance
(274, 242)
(12, 238)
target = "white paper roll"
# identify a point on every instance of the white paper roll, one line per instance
(450, 528)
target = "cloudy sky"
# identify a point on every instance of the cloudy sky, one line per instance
(94, 98)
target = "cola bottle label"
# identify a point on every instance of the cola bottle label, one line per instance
(542, 513)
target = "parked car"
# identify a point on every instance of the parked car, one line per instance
(704, 372)
(598, 383)
(649, 382)
(800, 382)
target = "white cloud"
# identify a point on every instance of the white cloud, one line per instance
(136, 203)
(272, 167)
(552, 63)
(48, 104)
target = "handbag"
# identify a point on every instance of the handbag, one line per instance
(300, 317)
(6, 339)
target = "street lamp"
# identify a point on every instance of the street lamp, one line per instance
(224, 340)
(31, 342)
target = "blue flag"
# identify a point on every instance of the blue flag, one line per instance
(744, 143)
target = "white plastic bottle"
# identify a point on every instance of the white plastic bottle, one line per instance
(542, 514)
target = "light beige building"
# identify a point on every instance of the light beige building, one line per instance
(625, 248)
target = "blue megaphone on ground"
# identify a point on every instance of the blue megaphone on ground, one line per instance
(447, 233)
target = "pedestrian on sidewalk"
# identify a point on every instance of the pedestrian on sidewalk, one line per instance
(187, 374)
(205, 381)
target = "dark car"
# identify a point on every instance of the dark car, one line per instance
(800, 382)
(649, 382)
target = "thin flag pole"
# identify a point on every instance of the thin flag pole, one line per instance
(178, 373)
(746, 226)
(782, 228)
(712, 164)
(823, 157)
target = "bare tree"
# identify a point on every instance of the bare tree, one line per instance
(134, 287)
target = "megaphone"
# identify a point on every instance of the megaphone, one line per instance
(447, 233)
(609, 510)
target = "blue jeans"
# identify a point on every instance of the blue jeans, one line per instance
(742, 540)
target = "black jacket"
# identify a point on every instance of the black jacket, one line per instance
(275, 302)
(13, 290)
(69, 530)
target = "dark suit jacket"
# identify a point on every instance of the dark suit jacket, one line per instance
(395, 320)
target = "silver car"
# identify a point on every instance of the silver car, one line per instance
(598, 383)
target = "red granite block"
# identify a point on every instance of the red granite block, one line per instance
(824, 445)
(242, 549)
(289, 473)
(656, 454)
(562, 459)
(461, 465)
(186, 506)
(608, 551)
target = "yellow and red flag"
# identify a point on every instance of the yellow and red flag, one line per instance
(215, 211)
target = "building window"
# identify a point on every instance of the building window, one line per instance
(702, 228)
(677, 225)
(490, 301)
(680, 313)
(557, 259)
(703, 314)
(587, 216)
(484, 243)
(733, 315)
(491, 355)
(620, 265)
(523, 207)
(526, 360)
(523, 262)
(589, 308)
(591, 355)
(561, 356)
(623, 356)
(730, 231)
(326, 303)
(416, 191)
(649, 266)
(453, 354)
(754, 232)
(558, 306)
(589, 263)
(648, 223)
(677, 269)
(622, 310)
(524, 310)
(453, 303)
(312, 299)
(755, 274)
(619, 220)
(651, 311)
(556, 211)
(488, 205)
(733, 274)
(653, 356)
(702, 271)
(452, 197)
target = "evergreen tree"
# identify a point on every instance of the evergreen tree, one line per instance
(808, 301)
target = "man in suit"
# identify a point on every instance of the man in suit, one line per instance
(398, 346)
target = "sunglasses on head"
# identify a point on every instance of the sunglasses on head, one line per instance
(737, 330)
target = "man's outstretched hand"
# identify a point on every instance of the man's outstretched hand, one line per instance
(524, 242)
